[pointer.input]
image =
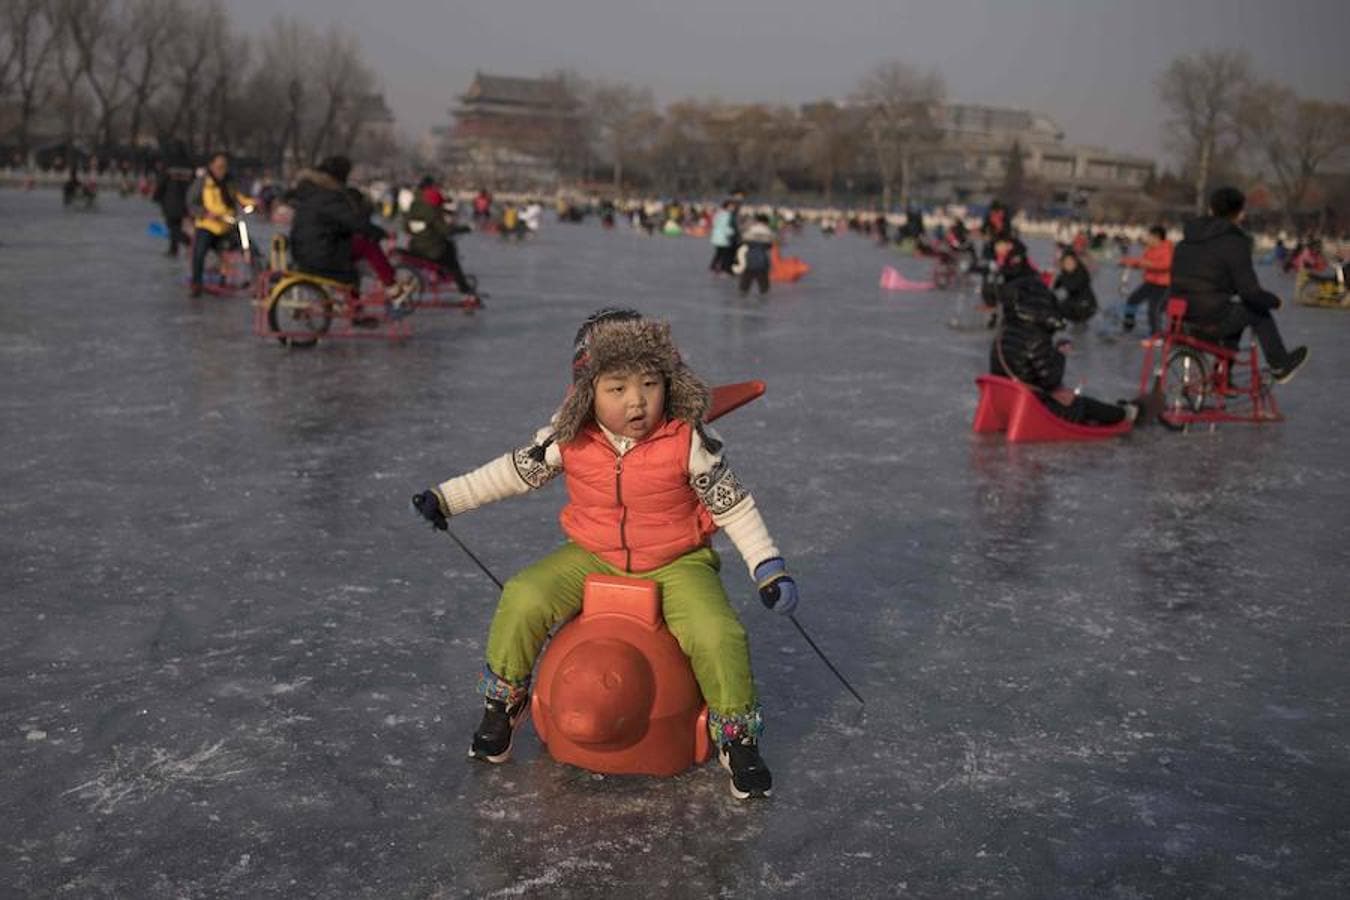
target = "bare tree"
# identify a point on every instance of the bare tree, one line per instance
(203, 27)
(33, 39)
(155, 24)
(278, 88)
(901, 105)
(227, 115)
(340, 80)
(70, 101)
(828, 147)
(1293, 139)
(9, 41)
(104, 40)
(1203, 93)
(623, 115)
(680, 157)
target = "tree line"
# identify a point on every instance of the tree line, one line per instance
(1228, 123)
(118, 77)
(130, 77)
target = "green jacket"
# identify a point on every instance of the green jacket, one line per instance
(429, 229)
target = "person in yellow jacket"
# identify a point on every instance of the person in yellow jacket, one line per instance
(215, 205)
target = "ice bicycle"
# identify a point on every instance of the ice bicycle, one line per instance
(1202, 380)
(298, 308)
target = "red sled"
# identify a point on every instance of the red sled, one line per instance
(1012, 407)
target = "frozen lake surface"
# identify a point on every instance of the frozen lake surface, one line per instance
(232, 662)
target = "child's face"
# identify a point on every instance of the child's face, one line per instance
(1068, 263)
(630, 405)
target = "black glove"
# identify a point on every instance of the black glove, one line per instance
(428, 506)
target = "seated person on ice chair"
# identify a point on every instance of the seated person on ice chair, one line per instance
(1213, 263)
(1025, 349)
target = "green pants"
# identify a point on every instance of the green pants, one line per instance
(692, 600)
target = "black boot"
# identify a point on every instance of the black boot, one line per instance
(1297, 357)
(750, 777)
(492, 740)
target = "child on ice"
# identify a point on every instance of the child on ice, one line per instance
(648, 484)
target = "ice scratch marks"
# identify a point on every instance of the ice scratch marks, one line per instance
(138, 776)
(552, 876)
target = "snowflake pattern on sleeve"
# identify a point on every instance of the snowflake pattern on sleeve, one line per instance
(719, 489)
(532, 467)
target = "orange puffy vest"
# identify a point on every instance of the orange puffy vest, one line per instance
(637, 512)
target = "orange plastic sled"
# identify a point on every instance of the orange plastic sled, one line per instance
(786, 268)
(614, 693)
(1010, 406)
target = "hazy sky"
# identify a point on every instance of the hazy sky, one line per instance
(1089, 64)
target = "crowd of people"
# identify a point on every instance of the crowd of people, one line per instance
(634, 413)
(333, 228)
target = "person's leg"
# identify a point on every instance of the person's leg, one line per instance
(743, 284)
(449, 261)
(364, 248)
(762, 279)
(1137, 296)
(1268, 336)
(175, 228)
(1239, 316)
(534, 600)
(202, 241)
(1157, 299)
(698, 613)
(1083, 410)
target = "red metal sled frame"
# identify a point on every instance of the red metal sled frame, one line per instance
(1211, 398)
(344, 303)
(437, 290)
(231, 264)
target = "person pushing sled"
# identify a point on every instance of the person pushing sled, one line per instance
(648, 484)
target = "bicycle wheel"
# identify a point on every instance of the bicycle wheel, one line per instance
(1185, 383)
(301, 311)
(408, 275)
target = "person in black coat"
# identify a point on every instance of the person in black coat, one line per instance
(1073, 288)
(171, 190)
(1211, 265)
(332, 229)
(1025, 348)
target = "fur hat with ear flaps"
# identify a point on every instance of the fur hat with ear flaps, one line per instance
(620, 340)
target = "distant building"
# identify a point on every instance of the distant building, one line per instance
(512, 132)
(977, 142)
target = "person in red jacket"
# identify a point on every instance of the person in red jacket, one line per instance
(1156, 263)
(647, 484)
